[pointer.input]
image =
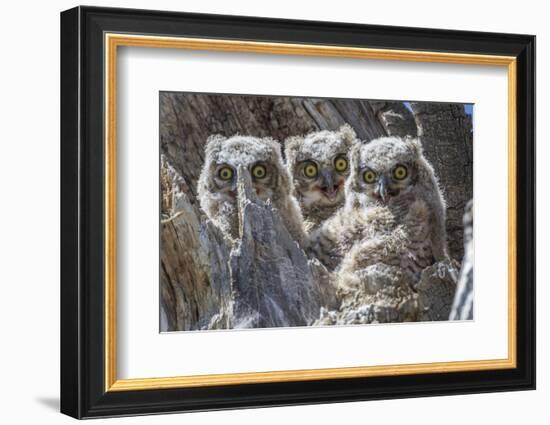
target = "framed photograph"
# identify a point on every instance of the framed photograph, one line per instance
(261, 212)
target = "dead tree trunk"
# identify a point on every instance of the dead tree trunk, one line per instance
(272, 284)
(463, 306)
(194, 276)
(446, 134)
(396, 118)
(207, 282)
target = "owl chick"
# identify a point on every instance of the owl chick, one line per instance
(261, 158)
(394, 212)
(319, 166)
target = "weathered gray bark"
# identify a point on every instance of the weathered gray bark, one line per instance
(194, 270)
(436, 289)
(396, 118)
(463, 305)
(446, 134)
(385, 295)
(390, 295)
(270, 274)
(264, 280)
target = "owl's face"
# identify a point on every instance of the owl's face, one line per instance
(260, 157)
(385, 170)
(319, 164)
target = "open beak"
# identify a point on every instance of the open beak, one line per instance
(328, 183)
(381, 189)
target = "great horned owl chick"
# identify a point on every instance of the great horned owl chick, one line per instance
(261, 157)
(394, 212)
(319, 166)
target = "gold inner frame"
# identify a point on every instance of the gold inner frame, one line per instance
(113, 41)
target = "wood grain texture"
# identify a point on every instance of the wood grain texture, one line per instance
(447, 137)
(207, 282)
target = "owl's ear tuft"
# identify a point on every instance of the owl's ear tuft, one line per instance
(215, 139)
(275, 146)
(270, 141)
(415, 144)
(354, 155)
(347, 133)
(214, 143)
(292, 145)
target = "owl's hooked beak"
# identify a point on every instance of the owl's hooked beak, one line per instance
(381, 189)
(328, 183)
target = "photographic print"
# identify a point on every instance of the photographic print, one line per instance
(299, 227)
(298, 211)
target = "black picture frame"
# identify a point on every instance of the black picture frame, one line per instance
(83, 392)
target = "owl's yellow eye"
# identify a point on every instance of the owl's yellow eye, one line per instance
(225, 173)
(259, 171)
(341, 164)
(369, 176)
(310, 170)
(400, 172)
